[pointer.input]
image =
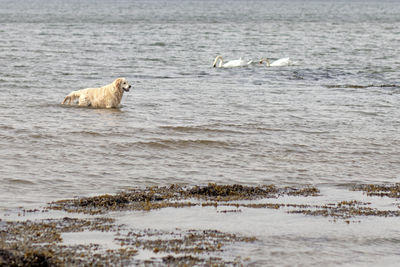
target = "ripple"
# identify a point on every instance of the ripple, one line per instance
(357, 86)
(181, 144)
(19, 181)
(160, 44)
(87, 133)
(200, 129)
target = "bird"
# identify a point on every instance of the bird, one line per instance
(278, 63)
(219, 63)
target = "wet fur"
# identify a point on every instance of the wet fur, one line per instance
(108, 96)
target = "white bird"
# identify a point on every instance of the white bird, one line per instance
(278, 63)
(219, 63)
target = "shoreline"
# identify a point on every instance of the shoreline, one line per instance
(137, 226)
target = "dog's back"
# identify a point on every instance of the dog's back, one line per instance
(103, 97)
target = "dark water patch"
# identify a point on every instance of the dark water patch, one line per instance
(99, 110)
(160, 44)
(70, 73)
(316, 74)
(258, 82)
(367, 113)
(161, 77)
(194, 143)
(6, 127)
(20, 66)
(144, 145)
(185, 74)
(17, 181)
(316, 132)
(88, 133)
(355, 86)
(181, 144)
(200, 129)
(203, 74)
(41, 136)
(249, 127)
(8, 137)
(150, 59)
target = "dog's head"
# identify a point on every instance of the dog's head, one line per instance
(122, 84)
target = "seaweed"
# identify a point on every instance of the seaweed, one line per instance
(174, 196)
(40, 244)
(390, 190)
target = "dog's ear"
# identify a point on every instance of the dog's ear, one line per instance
(118, 82)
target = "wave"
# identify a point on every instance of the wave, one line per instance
(199, 129)
(99, 134)
(18, 181)
(150, 59)
(175, 144)
(6, 127)
(87, 133)
(356, 86)
(161, 44)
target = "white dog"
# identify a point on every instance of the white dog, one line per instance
(108, 96)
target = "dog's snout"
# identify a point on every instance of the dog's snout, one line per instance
(129, 87)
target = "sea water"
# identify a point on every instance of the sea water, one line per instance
(331, 120)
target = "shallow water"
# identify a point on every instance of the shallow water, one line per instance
(332, 119)
(282, 238)
(290, 239)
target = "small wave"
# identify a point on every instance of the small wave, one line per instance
(40, 136)
(258, 82)
(87, 133)
(102, 110)
(172, 144)
(190, 129)
(202, 74)
(153, 59)
(6, 127)
(161, 44)
(147, 77)
(366, 113)
(19, 181)
(356, 86)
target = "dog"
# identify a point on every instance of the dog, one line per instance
(108, 96)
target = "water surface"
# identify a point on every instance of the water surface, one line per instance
(333, 119)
